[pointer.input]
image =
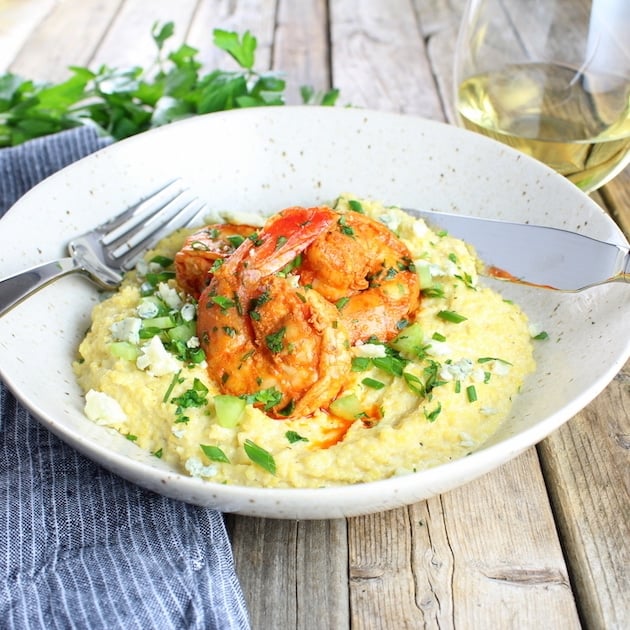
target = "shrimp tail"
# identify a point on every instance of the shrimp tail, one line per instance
(285, 236)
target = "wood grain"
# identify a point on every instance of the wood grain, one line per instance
(540, 542)
(255, 16)
(587, 470)
(300, 49)
(379, 59)
(18, 20)
(128, 41)
(68, 35)
(292, 573)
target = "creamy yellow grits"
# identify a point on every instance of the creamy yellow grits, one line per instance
(477, 351)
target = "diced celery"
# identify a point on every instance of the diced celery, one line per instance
(183, 332)
(424, 275)
(229, 410)
(159, 322)
(124, 350)
(409, 340)
(347, 407)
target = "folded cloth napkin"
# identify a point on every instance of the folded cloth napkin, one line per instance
(79, 546)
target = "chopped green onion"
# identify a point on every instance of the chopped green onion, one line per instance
(260, 456)
(341, 302)
(373, 383)
(451, 316)
(414, 384)
(163, 261)
(431, 416)
(487, 359)
(471, 393)
(360, 364)
(172, 384)
(214, 453)
(436, 291)
(235, 240)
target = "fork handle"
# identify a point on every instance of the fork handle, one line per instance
(15, 288)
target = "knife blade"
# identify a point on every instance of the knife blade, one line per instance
(535, 255)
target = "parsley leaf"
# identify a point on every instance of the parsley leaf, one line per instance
(122, 102)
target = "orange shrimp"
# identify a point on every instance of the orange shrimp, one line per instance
(201, 250)
(265, 334)
(367, 271)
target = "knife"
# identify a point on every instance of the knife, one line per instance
(535, 255)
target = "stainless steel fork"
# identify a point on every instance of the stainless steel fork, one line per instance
(106, 252)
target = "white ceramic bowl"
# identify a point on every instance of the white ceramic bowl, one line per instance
(267, 159)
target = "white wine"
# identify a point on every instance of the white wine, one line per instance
(577, 124)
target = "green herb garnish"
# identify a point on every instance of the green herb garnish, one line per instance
(294, 436)
(214, 453)
(126, 101)
(373, 383)
(260, 456)
(451, 316)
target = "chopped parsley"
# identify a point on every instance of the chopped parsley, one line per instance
(356, 206)
(196, 396)
(275, 341)
(294, 436)
(344, 228)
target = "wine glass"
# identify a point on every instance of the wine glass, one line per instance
(550, 78)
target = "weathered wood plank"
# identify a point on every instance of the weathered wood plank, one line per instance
(18, 20)
(379, 58)
(128, 41)
(293, 574)
(439, 22)
(509, 566)
(587, 468)
(266, 564)
(482, 556)
(300, 48)
(382, 590)
(255, 16)
(322, 575)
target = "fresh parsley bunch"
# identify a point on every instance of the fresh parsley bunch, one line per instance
(122, 102)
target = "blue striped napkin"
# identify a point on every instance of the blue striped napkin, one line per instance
(79, 546)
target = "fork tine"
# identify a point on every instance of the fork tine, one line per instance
(128, 221)
(175, 215)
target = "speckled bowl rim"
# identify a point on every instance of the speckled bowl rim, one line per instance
(266, 159)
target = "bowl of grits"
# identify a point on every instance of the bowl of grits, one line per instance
(473, 372)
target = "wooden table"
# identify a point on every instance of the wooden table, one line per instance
(542, 542)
